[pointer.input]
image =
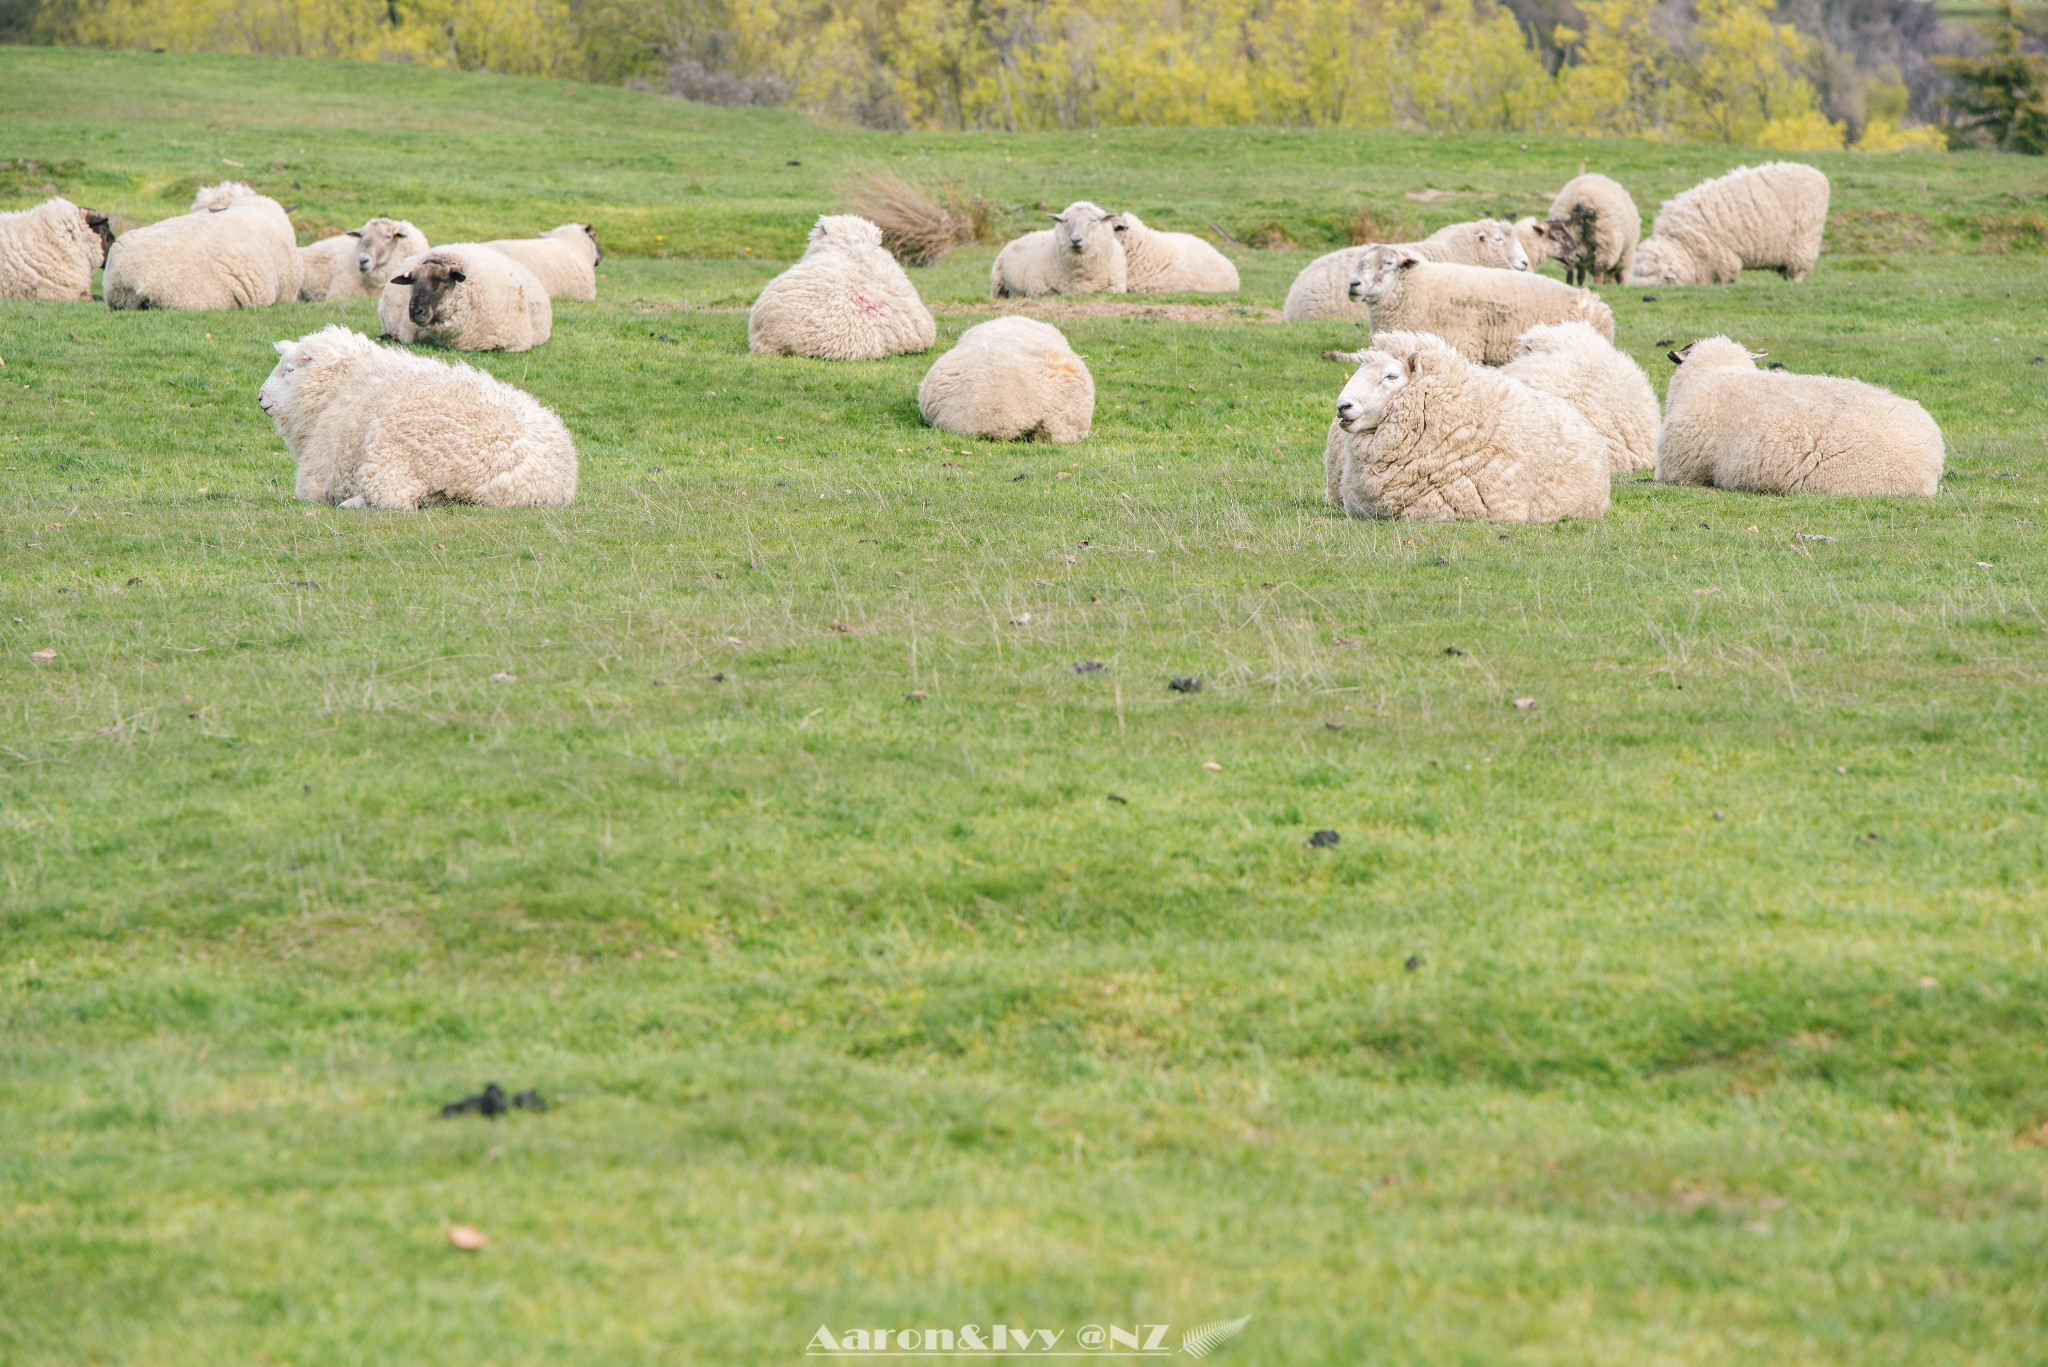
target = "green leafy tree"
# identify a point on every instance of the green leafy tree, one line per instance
(2004, 95)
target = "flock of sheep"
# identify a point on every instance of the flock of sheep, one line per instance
(1487, 392)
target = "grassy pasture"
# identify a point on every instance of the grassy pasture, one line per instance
(784, 856)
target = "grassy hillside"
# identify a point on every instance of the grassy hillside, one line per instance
(751, 808)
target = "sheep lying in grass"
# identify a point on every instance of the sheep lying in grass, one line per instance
(1079, 254)
(845, 300)
(51, 251)
(1010, 378)
(1167, 263)
(1572, 362)
(1371, 395)
(1322, 289)
(1432, 437)
(1768, 217)
(235, 249)
(378, 428)
(564, 258)
(1602, 223)
(468, 298)
(358, 263)
(1733, 426)
(1480, 312)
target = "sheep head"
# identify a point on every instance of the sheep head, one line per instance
(378, 241)
(97, 223)
(1716, 353)
(299, 365)
(432, 280)
(838, 232)
(1377, 270)
(1082, 225)
(1363, 401)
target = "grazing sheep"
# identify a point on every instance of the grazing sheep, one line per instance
(846, 300)
(564, 258)
(1602, 223)
(1165, 263)
(1322, 288)
(235, 249)
(1766, 217)
(1079, 254)
(1010, 378)
(1572, 362)
(1478, 311)
(51, 251)
(468, 298)
(358, 263)
(1733, 426)
(378, 428)
(1433, 437)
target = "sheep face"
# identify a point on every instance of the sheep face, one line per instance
(1081, 225)
(1365, 396)
(1564, 245)
(378, 241)
(434, 282)
(1498, 243)
(97, 223)
(1716, 353)
(302, 367)
(597, 248)
(1376, 272)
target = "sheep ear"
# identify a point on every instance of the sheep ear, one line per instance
(1414, 362)
(457, 276)
(353, 232)
(405, 279)
(1408, 259)
(286, 349)
(1677, 357)
(1056, 218)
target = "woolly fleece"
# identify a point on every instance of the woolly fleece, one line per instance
(235, 249)
(1603, 220)
(498, 306)
(564, 258)
(1733, 426)
(1010, 378)
(378, 428)
(1768, 217)
(1322, 289)
(358, 263)
(1171, 263)
(1478, 311)
(1573, 362)
(846, 300)
(48, 252)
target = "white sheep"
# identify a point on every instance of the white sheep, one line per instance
(466, 297)
(1768, 217)
(373, 427)
(358, 264)
(1572, 362)
(235, 249)
(1603, 225)
(1368, 397)
(1478, 311)
(1167, 263)
(51, 251)
(1079, 254)
(1433, 437)
(1730, 425)
(564, 258)
(1010, 378)
(1322, 289)
(845, 300)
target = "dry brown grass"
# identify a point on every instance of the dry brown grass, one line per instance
(919, 225)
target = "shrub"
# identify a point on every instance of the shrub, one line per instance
(919, 226)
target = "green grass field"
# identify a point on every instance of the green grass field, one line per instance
(782, 855)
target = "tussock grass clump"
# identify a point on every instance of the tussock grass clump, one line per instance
(919, 225)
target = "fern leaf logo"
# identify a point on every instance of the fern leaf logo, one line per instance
(1205, 1339)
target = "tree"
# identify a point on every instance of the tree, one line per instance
(2004, 95)
(1740, 77)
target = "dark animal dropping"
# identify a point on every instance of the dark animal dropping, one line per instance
(1185, 683)
(1665, 341)
(1651, 299)
(1452, 650)
(1775, 365)
(1020, 477)
(1118, 800)
(1414, 962)
(491, 1102)
(1087, 667)
(1324, 839)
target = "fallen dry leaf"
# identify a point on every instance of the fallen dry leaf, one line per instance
(468, 1238)
(1524, 704)
(43, 657)
(502, 677)
(1212, 766)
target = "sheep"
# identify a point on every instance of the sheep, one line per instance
(1385, 347)
(1320, 291)
(468, 298)
(372, 427)
(1478, 311)
(1572, 362)
(1164, 263)
(564, 258)
(845, 300)
(235, 249)
(1601, 221)
(1010, 378)
(1079, 254)
(359, 263)
(51, 251)
(1766, 217)
(1733, 426)
(1433, 437)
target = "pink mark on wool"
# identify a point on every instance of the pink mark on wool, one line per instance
(870, 306)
